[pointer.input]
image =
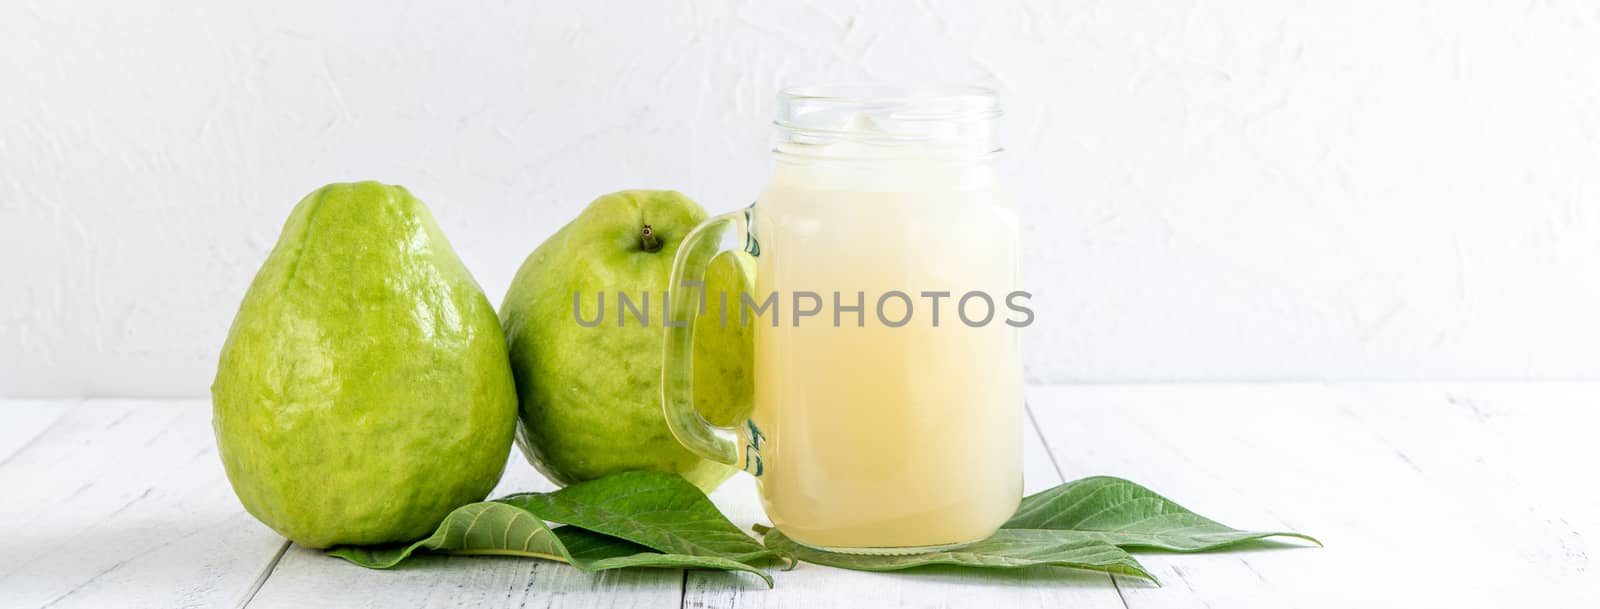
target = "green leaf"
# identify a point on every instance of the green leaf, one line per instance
(514, 528)
(650, 519)
(1005, 549)
(476, 528)
(592, 551)
(659, 510)
(1127, 515)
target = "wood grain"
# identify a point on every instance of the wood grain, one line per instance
(1424, 495)
(26, 421)
(124, 504)
(1462, 495)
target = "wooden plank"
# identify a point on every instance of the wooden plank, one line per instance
(124, 503)
(811, 586)
(1428, 495)
(308, 578)
(26, 420)
(1461, 496)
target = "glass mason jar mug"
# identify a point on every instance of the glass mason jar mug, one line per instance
(891, 421)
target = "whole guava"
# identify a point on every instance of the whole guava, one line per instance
(589, 377)
(364, 390)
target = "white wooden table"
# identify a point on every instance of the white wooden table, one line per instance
(1426, 496)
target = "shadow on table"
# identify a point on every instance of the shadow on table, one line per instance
(808, 574)
(437, 579)
(1033, 577)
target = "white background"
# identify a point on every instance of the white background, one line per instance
(1227, 190)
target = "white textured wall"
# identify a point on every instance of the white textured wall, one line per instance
(1240, 189)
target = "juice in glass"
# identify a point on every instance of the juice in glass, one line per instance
(890, 419)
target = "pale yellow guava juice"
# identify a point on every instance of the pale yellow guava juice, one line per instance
(874, 436)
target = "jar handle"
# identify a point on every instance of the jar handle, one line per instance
(692, 430)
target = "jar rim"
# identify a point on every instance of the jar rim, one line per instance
(893, 115)
(885, 91)
(915, 102)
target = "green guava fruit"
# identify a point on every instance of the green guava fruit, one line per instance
(364, 390)
(590, 397)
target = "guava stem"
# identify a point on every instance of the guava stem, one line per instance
(648, 240)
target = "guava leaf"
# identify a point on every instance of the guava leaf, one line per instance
(1126, 515)
(659, 510)
(1003, 550)
(596, 552)
(510, 527)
